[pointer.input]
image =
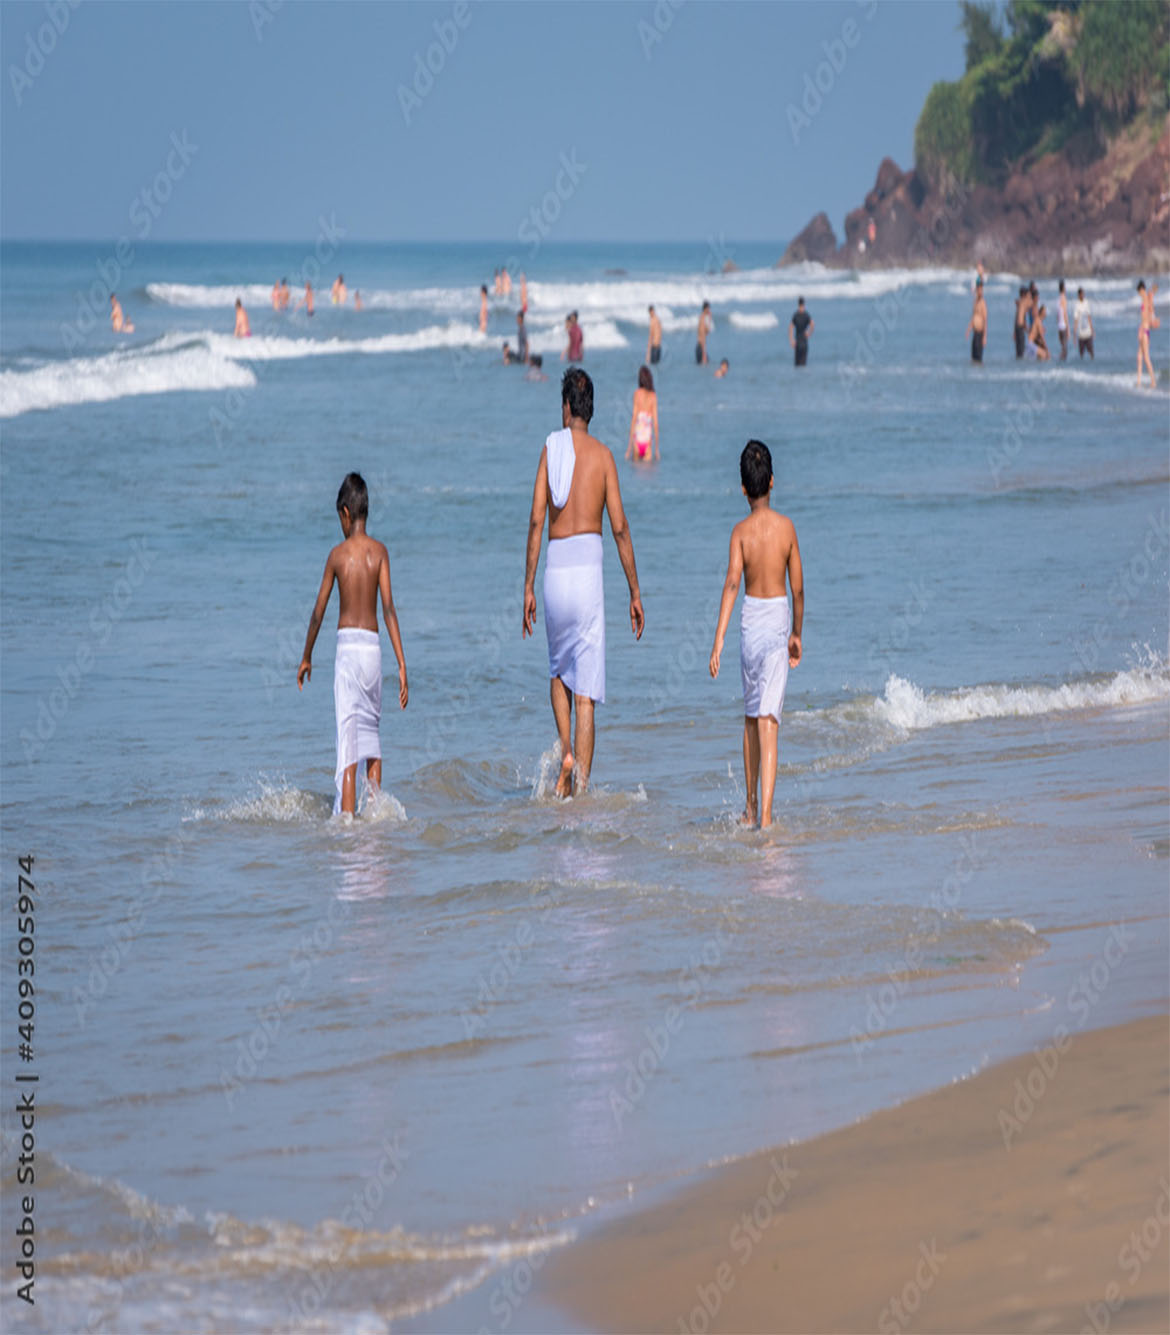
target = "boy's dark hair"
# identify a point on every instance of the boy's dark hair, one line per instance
(645, 379)
(1141, 287)
(577, 392)
(536, 360)
(755, 469)
(354, 496)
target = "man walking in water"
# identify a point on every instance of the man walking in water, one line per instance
(576, 480)
(799, 328)
(977, 325)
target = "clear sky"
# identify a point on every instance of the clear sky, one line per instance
(678, 121)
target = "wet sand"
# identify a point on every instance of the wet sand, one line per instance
(1033, 1197)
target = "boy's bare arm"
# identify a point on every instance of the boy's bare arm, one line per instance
(535, 533)
(390, 616)
(727, 602)
(305, 671)
(621, 535)
(796, 582)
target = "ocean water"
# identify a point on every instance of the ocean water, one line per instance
(304, 1073)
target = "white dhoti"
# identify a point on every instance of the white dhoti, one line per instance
(763, 655)
(574, 613)
(357, 700)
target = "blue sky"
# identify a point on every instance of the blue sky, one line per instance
(655, 121)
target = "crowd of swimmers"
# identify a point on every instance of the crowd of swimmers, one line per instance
(1029, 329)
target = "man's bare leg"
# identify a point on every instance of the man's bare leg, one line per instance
(349, 788)
(562, 706)
(769, 729)
(374, 771)
(751, 768)
(584, 738)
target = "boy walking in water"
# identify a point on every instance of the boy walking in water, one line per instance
(764, 551)
(361, 567)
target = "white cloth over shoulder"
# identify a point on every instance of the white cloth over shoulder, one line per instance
(561, 459)
(574, 613)
(357, 700)
(763, 655)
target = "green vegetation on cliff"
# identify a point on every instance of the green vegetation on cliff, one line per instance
(1042, 75)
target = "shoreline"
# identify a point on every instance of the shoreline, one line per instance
(1033, 1196)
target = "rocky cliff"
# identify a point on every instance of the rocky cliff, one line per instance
(1072, 211)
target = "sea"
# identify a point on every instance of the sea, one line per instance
(299, 1072)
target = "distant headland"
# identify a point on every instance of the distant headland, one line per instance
(1051, 155)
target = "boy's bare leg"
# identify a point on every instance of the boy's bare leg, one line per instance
(349, 788)
(751, 768)
(769, 729)
(584, 744)
(562, 706)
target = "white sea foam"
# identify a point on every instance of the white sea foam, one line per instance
(159, 368)
(753, 319)
(905, 706)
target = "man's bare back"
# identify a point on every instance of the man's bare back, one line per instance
(593, 468)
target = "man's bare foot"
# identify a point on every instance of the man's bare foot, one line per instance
(765, 822)
(564, 786)
(748, 819)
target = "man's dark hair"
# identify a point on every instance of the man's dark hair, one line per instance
(577, 392)
(645, 379)
(1023, 289)
(354, 496)
(755, 469)
(800, 301)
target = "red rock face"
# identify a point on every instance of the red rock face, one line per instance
(1064, 212)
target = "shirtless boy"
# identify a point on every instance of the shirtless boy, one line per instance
(1147, 321)
(576, 481)
(361, 567)
(764, 551)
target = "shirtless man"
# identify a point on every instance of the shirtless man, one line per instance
(1147, 321)
(1020, 327)
(276, 295)
(285, 294)
(706, 324)
(763, 552)
(654, 340)
(337, 291)
(576, 481)
(1062, 322)
(977, 325)
(307, 300)
(243, 329)
(118, 322)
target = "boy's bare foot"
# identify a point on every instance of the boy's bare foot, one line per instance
(564, 786)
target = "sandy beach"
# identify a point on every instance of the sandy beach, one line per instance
(1032, 1197)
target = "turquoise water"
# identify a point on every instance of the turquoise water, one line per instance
(309, 1074)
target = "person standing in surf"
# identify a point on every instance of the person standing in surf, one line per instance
(977, 325)
(799, 328)
(706, 324)
(360, 566)
(1146, 321)
(764, 553)
(576, 482)
(644, 419)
